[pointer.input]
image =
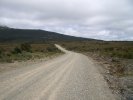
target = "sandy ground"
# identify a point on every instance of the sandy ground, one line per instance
(71, 76)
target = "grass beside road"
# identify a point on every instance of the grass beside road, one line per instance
(25, 51)
(109, 49)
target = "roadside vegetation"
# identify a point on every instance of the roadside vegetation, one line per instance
(115, 57)
(110, 49)
(10, 52)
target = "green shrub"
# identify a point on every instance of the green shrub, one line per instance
(0, 52)
(128, 55)
(17, 50)
(8, 55)
(26, 47)
(50, 49)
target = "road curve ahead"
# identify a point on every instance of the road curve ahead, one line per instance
(71, 76)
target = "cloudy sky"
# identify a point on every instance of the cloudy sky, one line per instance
(99, 19)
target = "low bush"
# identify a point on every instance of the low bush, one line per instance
(17, 50)
(52, 48)
(25, 51)
(26, 47)
(0, 52)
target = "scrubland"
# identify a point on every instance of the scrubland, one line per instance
(10, 52)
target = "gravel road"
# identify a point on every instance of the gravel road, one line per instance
(71, 76)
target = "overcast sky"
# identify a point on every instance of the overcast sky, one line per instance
(99, 19)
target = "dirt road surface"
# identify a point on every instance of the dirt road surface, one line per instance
(71, 76)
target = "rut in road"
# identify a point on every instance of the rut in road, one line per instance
(71, 76)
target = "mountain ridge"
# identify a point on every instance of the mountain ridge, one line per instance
(34, 35)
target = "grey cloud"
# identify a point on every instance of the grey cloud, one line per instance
(100, 19)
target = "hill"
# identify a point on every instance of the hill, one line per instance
(31, 35)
